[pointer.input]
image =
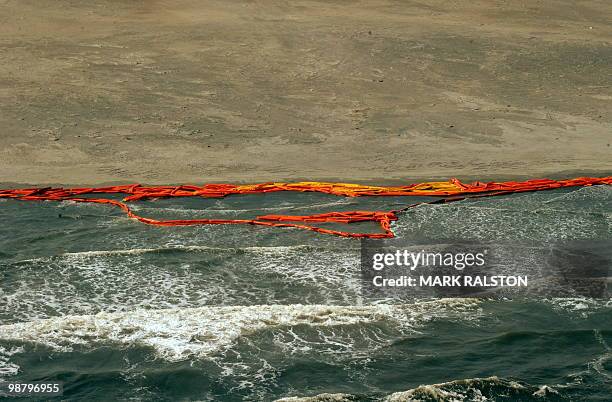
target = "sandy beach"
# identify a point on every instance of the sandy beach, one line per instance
(210, 91)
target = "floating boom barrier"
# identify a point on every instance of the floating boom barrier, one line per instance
(448, 191)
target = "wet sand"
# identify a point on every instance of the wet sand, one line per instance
(203, 91)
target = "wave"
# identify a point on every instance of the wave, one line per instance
(178, 334)
(584, 306)
(163, 278)
(472, 389)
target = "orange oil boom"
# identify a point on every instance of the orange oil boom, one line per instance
(449, 191)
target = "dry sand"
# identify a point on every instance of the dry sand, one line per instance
(196, 91)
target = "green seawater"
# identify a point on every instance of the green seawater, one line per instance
(118, 310)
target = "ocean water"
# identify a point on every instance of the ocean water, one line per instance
(118, 310)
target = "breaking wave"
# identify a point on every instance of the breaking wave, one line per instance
(472, 389)
(163, 278)
(178, 334)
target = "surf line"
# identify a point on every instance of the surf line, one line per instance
(449, 191)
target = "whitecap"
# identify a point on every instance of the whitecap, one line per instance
(470, 389)
(177, 334)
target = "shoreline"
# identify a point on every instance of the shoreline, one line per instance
(366, 181)
(380, 92)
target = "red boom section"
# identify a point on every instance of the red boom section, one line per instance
(452, 190)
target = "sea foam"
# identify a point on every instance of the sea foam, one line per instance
(177, 334)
